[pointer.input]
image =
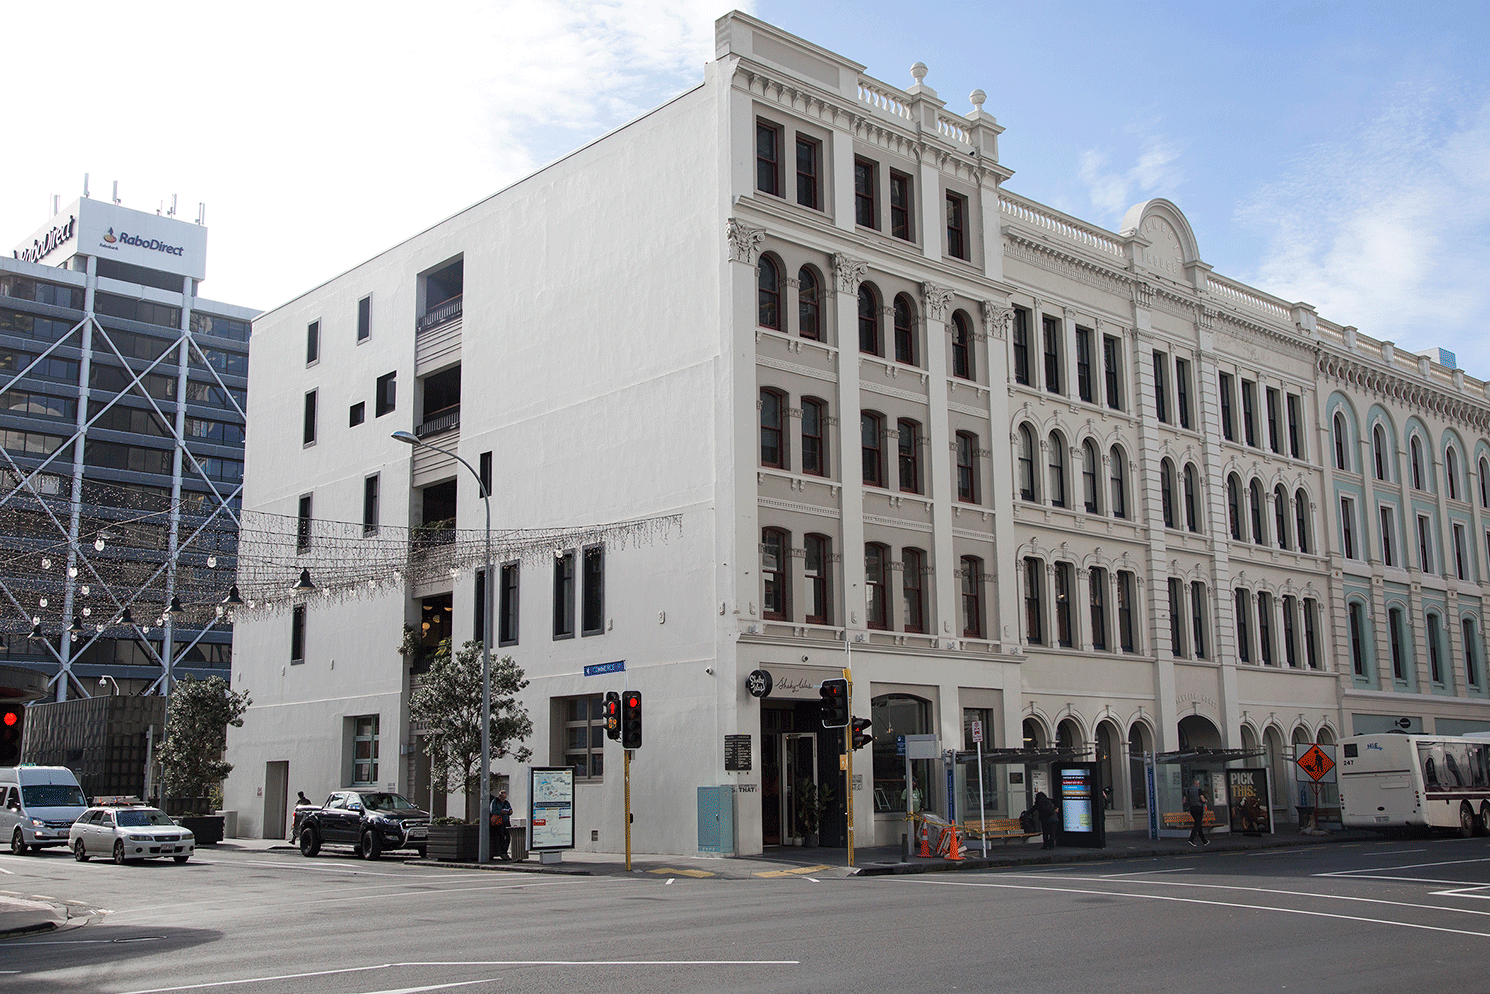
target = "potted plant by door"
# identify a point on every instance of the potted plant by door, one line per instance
(453, 840)
(813, 802)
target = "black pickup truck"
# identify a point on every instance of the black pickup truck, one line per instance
(372, 821)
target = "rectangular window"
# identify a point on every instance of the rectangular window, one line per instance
(483, 470)
(1394, 633)
(1176, 617)
(1295, 433)
(593, 616)
(1347, 527)
(813, 448)
(365, 750)
(478, 612)
(1161, 387)
(1243, 604)
(302, 525)
(312, 342)
(957, 241)
(1112, 354)
(1265, 627)
(1021, 341)
(564, 595)
(1461, 554)
(866, 213)
(1471, 669)
(1425, 544)
(1358, 638)
(1097, 601)
(582, 720)
(876, 597)
(310, 419)
(1249, 411)
(1197, 618)
(1034, 582)
(1228, 427)
(387, 394)
(370, 505)
(1182, 391)
(972, 597)
(912, 589)
(507, 613)
(1311, 632)
(1052, 354)
(356, 414)
(967, 468)
(1065, 635)
(1125, 607)
(297, 634)
(900, 205)
(1388, 554)
(809, 172)
(1275, 439)
(364, 319)
(768, 158)
(1435, 663)
(816, 561)
(1084, 364)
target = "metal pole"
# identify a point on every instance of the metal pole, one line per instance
(483, 839)
(848, 749)
(982, 798)
(626, 764)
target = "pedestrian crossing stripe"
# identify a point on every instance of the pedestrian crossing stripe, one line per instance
(793, 872)
(668, 871)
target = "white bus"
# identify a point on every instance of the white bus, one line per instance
(1432, 781)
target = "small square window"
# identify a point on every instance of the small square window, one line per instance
(386, 395)
(356, 414)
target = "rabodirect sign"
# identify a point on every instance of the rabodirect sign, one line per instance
(95, 227)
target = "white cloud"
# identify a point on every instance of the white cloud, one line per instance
(1387, 230)
(1154, 172)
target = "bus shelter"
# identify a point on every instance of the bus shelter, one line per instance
(1168, 773)
(1010, 780)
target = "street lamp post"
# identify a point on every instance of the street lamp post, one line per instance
(483, 850)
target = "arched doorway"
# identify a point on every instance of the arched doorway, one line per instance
(1277, 760)
(1140, 741)
(1068, 736)
(1107, 746)
(1197, 732)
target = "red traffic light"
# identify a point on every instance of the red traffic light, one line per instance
(11, 717)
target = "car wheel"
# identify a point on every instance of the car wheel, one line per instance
(181, 859)
(371, 847)
(80, 851)
(310, 842)
(119, 851)
(18, 843)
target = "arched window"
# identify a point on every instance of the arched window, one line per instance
(814, 437)
(768, 290)
(1192, 498)
(1379, 451)
(876, 587)
(1469, 633)
(1254, 503)
(871, 443)
(1451, 471)
(1119, 479)
(1415, 447)
(909, 433)
(972, 597)
(1342, 449)
(905, 331)
(1234, 508)
(1301, 528)
(775, 601)
(1026, 463)
(809, 304)
(967, 467)
(773, 442)
(869, 320)
(1166, 492)
(1057, 461)
(816, 563)
(1484, 482)
(1089, 487)
(1280, 516)
(913, 593)
(962, 346)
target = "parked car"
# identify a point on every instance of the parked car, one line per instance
(373, 821)
(128, 832)
(38, 805)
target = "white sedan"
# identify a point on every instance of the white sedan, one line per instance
(128, 832)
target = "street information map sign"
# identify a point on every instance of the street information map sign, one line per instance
(551, 807)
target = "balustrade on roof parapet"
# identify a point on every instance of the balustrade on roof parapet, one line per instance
(1064, 225)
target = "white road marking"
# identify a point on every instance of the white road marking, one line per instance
(1218, 904)
(1374, 870)
(669, 882)
(362, 896)
(8, 873)
(1139, 873)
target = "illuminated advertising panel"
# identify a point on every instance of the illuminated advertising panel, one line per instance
(550, 807)
(1078, 791)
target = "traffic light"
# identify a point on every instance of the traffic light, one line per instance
(631, 719)
(835, 703)
(861, 733)
(612, 715)
(12, 724)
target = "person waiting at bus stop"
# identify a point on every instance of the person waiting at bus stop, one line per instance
(1196, 801)
(1046, 811)
(501, 819)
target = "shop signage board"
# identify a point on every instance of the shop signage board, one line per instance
(550, 808)
(737, 753)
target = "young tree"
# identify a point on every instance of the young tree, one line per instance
(196, 735)
(448, 705)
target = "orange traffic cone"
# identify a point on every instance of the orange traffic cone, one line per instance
(925, 842)
(956, 851)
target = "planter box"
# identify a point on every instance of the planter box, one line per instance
(454, 843)
(206, 828)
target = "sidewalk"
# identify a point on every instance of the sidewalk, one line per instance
(19, 916)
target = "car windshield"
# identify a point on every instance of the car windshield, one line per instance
(386, 802)
(53, 795)
(138, 817)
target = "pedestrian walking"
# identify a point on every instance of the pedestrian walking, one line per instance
(301, 803)
(1196, 800)
(1045, 810)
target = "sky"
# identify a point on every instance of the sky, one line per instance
(1336, 153)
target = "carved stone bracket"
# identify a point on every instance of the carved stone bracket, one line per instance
(848, 273)
(997, 318)
(744, 242)
(936, 299)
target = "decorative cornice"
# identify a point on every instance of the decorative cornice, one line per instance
(744, 242)
(848, 273)
(936, 299)
(996, 319)
(1404, 389)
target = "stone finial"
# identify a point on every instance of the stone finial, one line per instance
(919, 71)
(977, 97)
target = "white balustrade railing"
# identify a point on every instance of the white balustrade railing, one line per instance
(883, 98)
(953, 129)
(1069, 227)
(1235, 293)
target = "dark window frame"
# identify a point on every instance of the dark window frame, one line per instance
(592, 593)
(768, 160)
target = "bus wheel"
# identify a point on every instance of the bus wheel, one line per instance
(1467, 820)
(1484, 825)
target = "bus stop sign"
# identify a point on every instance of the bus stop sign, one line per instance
(1315, 763)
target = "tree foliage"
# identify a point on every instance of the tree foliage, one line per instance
(196, 735)
(448, 706)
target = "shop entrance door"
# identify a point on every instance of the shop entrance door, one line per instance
(799, 778)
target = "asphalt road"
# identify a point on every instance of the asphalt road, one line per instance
(1405, 914)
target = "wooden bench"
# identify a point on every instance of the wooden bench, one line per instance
(1182, 819)
(1002, 829)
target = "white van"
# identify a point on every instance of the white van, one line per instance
(38, 804)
